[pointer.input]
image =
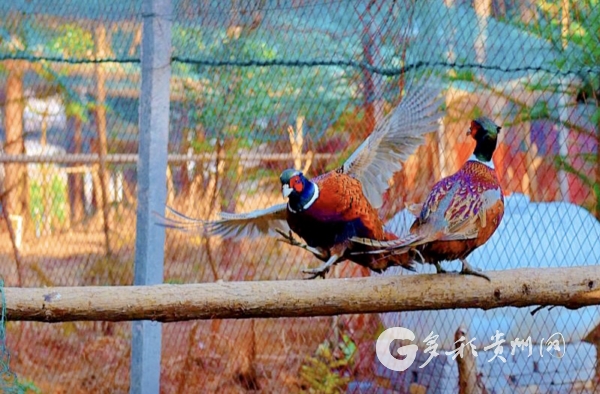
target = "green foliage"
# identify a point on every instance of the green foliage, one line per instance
(28, 387)
(581, 34)
(190, 37)
(48, 199)
(461, 75)
(68, 40)
(539, 110)
(474, 113)
(77, 109)
(596, 116)
(249, 104)
(589, 181)
(243, 106)
(576, 44)
(583, 37)
(73, 41)
(244, 91)
(327, 371)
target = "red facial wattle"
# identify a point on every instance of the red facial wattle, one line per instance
(296, 184)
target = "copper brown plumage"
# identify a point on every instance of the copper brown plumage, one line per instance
(340, 212)
(460, 213)
(328, 210)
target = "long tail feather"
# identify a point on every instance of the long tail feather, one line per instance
(407, 241)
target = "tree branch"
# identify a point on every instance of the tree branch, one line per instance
(573, 288)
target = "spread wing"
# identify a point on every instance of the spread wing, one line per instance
(394, 139)
(232, 225)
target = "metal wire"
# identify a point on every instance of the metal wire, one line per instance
(261, 86)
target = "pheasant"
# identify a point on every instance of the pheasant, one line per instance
(460, 213)
(328, 210)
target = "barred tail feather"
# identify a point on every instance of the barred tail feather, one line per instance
(395, 244)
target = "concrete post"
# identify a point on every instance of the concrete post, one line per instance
(152, 164)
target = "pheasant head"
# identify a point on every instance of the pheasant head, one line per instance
(301, 192)
(485, 133)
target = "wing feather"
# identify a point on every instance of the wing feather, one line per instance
(232, 225)
(394, 139)
(460, 212)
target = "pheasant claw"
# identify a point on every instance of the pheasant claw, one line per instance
(322, 269)
(468, 270)
(288, 238)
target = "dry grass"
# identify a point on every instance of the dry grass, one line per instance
(202, 356)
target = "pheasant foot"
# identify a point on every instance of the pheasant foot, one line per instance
(468, 270)
(439, 269)
(322, 269)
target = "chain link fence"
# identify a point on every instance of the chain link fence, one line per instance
(261, 86)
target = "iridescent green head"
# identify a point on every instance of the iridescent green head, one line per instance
(291, 181)
(483, 127)
(485, 133)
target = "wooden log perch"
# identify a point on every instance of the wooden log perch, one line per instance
(573, 287)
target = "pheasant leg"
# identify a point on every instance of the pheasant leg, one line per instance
(439, 269)
(322, 269)
(468, 270)
(292, 241)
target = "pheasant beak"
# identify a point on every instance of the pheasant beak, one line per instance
(286, 190)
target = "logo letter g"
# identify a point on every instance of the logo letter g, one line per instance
(383, 349)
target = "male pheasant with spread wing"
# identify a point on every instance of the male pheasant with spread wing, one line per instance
(461, 212)
(328, 210)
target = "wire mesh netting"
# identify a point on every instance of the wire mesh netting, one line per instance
(261, 86)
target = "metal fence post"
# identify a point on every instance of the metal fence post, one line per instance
(152, 162)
